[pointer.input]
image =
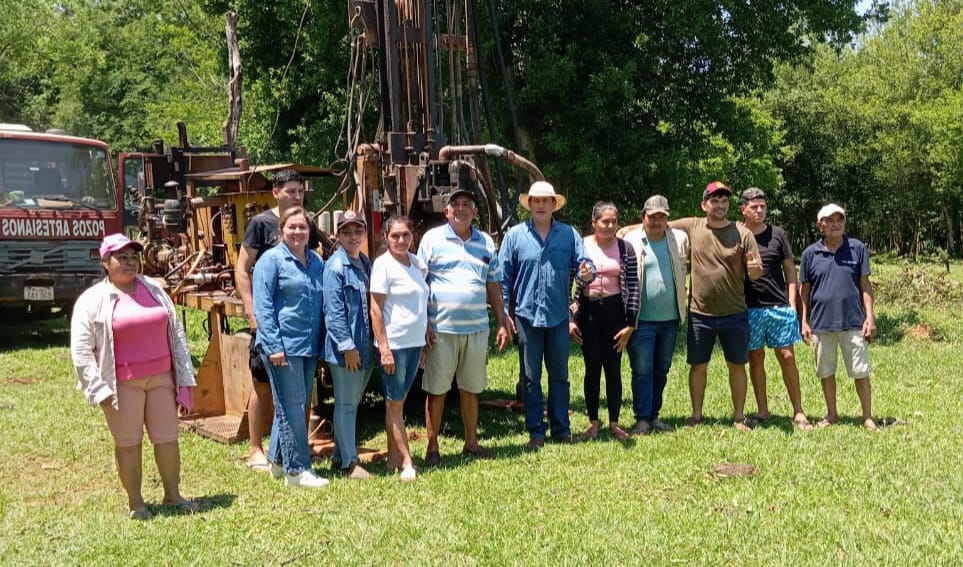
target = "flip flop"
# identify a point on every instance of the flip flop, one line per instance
(756, 420)
(140, 514)
(259, 466)
(618, 433)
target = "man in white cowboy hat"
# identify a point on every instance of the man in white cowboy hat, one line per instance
(536, 258)
(838, 314)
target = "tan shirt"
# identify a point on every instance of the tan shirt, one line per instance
(718, 265)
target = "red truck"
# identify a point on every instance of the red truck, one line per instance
(58, 198)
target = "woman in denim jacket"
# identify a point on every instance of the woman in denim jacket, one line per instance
(287, 304)
(347, 340)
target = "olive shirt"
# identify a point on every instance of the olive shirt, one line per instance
(718, 258)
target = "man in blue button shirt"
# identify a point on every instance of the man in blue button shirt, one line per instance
(838, 310)
(536, 258)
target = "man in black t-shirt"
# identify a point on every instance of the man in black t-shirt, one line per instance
(263, 232)
(772, 309)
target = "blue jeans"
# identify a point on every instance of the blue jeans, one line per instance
(397, 385)
(650, 356)
(348, 389)
(550, 343)
(291, 387)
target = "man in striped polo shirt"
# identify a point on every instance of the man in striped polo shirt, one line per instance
(463, 279)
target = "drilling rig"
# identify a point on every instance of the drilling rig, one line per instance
(413, 62)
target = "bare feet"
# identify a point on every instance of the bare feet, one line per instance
(742, 425)
(617, 432)
(870, 424)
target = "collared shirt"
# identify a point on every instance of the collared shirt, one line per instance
(536, 273)
(678, 243)
(347, 320)
(458, 272)
(287, 302)
(836, 299)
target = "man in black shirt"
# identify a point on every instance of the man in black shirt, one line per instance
(262, 233)
(772, 309)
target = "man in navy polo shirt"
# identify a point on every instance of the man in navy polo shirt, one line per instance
(838, 309)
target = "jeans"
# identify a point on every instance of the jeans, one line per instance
(650, 356)
(552, 344)
(348, 389)
(599, 321)
(291, 387)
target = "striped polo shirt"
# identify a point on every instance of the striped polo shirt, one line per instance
(457, 274)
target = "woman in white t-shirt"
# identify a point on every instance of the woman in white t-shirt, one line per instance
(399, 319)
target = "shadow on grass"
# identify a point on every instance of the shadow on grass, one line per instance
(205, 504)
(19, 335)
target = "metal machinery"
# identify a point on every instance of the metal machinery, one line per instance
(192, 206)
(423, 57)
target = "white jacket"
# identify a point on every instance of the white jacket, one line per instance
(92, 341)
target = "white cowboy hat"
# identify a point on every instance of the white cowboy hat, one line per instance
(541, 189)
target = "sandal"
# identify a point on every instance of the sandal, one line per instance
(618, 433)
(803, 424)
(756, 420)
(591, 433)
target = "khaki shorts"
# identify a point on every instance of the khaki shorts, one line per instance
(144, 401)
(463, 356)
(855, 351)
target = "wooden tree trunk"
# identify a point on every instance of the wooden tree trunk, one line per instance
(234, 83)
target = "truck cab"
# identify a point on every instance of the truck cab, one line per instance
(58, 199)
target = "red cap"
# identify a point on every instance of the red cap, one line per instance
(716, 188)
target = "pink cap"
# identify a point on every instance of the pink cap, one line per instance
(117, 241)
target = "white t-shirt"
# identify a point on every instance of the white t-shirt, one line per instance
(406, 303)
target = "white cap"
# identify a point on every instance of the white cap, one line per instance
(830, 210)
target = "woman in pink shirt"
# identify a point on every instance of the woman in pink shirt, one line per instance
(604, 316)
(132, 360)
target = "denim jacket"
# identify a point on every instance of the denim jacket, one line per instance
(346, 316)
(287, 302)
(92, 341)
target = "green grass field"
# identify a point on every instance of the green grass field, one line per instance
(839, 495)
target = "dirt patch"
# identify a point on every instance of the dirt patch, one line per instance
(921, 332)
(734, 470)
(22, 381)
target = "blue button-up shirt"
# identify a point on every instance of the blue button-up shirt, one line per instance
(346, 318)
(536, 273)
(287, 302)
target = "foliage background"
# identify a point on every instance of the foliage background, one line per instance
(814, 100)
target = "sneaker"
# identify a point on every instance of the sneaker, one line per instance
(408, 474)
(535, 444)
(305, 479)
(277, 471)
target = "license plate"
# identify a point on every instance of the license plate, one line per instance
(34, 293)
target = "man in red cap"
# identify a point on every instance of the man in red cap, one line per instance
(723, 254)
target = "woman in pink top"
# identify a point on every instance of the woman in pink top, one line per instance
(132, 360)
(604, 316)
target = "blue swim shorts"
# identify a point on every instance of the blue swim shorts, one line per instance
(774, 327)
